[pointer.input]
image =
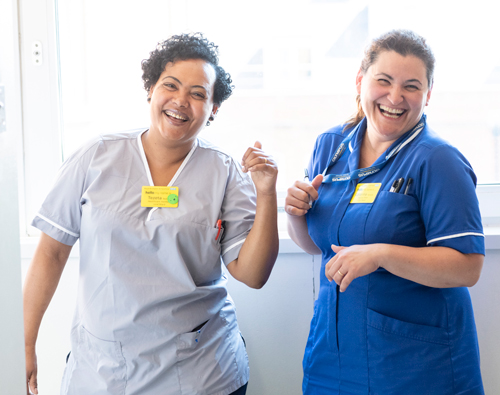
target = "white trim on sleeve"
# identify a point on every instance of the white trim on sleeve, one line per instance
(57, 226)
(453, 236)
(232, 246)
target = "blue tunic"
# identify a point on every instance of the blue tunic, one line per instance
(387, 335)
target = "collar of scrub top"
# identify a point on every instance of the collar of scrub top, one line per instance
(148, 171)
(358, 173)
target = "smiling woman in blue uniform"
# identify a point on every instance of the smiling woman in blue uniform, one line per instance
(395, 217)
(153, 313)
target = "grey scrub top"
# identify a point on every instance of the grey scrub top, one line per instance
(150, 276)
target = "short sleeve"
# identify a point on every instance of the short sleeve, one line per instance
(60, 214)
(314, 165)
(237, 213)
(449, 205)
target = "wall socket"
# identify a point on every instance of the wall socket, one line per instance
(36, 53)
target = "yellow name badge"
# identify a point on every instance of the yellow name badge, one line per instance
(160, 197)
(365, 193)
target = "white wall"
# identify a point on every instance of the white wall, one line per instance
(274, 322)
(486, 300)
(12, 367)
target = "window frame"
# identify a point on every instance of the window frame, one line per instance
(41, 117)
(41, 137)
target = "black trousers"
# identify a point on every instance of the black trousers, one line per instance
(240, 391)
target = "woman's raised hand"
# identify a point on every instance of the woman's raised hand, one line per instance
(262, 167)
(301, 195)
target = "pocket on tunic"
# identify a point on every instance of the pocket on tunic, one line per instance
(98, 366)
(407, 358)
(395, 218)
(214, 357)
(195, 245)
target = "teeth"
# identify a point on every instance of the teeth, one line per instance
(391, 110)
(176, 116)
(392, 116)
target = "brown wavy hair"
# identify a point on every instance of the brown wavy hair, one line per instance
(403, 42)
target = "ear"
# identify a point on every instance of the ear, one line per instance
(215, 110)
(150, 93)
(429, 95)
(359, 78)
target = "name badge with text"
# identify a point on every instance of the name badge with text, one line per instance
(365, 193)
(160, 197)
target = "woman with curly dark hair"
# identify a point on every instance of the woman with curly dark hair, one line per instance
(155, 211)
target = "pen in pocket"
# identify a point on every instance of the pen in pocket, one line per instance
(220, 229)
(410, 180)
(396, 185)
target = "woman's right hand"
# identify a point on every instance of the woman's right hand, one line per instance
(40, 283)
(300, 195)
(31, 372)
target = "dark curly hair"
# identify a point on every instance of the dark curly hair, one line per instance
(186, 47)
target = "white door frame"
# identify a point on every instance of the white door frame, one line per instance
(12, 362)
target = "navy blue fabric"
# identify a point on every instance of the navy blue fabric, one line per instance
(240, 391)
(387, 335)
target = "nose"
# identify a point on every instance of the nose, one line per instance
(395, 95)
(181, 99)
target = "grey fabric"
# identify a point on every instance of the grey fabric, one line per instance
(148, 276)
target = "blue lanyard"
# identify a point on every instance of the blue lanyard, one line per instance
(328, 178)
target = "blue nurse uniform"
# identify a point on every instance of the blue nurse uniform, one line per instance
(387, 335)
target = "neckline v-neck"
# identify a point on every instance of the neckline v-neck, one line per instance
(146, 165)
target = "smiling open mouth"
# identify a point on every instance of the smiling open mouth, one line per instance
(174, 115)
(394, 113)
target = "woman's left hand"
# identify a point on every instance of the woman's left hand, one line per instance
(262, 167)
(351, 262)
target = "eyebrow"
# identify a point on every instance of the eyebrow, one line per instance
(407, 81)
(194, 86)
